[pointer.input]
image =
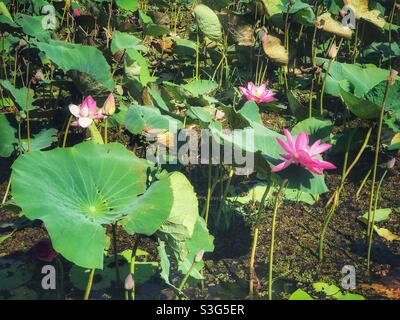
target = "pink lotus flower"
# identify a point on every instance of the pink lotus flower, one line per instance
(257, 94)
(300, 153)
(86, 112)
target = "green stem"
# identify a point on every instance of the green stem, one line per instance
(208, 189)
(197, 55)
(373, 219)
(89, 285)
(106, 131)
(60, 272)
(187, 275)
(336, 195)
(132, 267)
(363, 184)
(321, 101)
(223, 198)
(378, 141)
(7, 191)
(255, 240)
(271, 250)
(114, 238)
(66, 132)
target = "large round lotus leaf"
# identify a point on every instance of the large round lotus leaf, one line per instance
(76, 190)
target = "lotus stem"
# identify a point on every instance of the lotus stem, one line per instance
(310, 103)
(363, 184)
(106, 131)
(197, 55)
(208, 189)
(89, 285)
(187, 275)
(7, 191)
(321, 102)
(373, 219)
(271, 250)
(60, 272)
(132, 267)
(336, 195)
(378, 141)
(255, 240)
(109, 22)
(28, 123)
(114, 239)
(391, 17)
(66, 132)
(224, 195)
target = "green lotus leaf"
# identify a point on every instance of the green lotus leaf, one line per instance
(201, 87)
(7, 137)
(361, 107)
(208, 22)
(141, 117)
(128, 5)
(72, 56)
(74, 191)
(23, 97)
(33, 26)
(123, 40)
(355, 78)
(9, 140)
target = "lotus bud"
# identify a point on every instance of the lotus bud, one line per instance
(109, 105)
(129, 282)
(392, 76)
(390, 164)
(219, 115)
(292, 3)
(199, 256)
(76, 12)
(333, 51)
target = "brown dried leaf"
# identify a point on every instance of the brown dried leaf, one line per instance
(328, 24)
(274, 49)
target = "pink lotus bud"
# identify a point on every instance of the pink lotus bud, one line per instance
(333, 51)
(76, 12)
(129, 282)
(219, 115)
(199, 256)
(390, 164)
(109, 105)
